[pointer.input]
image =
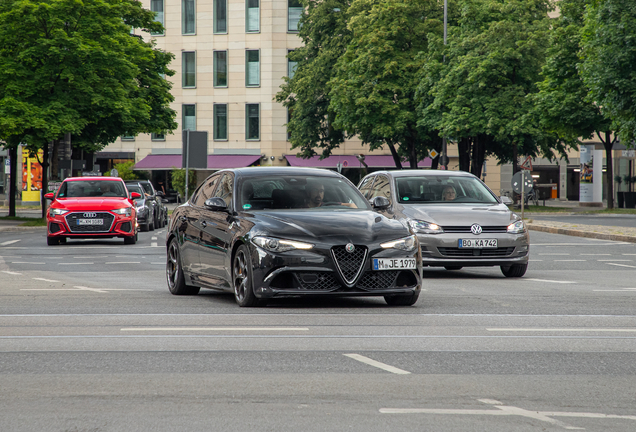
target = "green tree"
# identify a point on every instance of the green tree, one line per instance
(563, 104)
(373, 91)
(325, 36)
(475, 89)
(73, 66)
(178, 182)
(609, 61)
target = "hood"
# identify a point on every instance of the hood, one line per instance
(101, 203)
(461, 214)
(341, 226)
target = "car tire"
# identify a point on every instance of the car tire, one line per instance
(515, 270)
(145, 227)
(52, 241)
(174, 272)
(242, 281)
(130, 240)
(62, 240)
(453, 267)
(401, 300)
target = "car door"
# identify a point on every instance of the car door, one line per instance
(217, 230)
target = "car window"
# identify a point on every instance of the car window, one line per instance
(381, 187)
(135, 188)
(92, 188)
(365, 186)
(443, 189)
(148, 188)
(225, 189)
(205, 191)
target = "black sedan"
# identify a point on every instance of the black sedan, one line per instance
(265, 233)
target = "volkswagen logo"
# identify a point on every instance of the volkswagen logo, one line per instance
(90, 215)
(475, 229)
(350, 248)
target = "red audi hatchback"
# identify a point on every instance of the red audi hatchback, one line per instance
(92, 207)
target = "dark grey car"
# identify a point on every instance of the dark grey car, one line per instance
(145, 209)
(458, 220)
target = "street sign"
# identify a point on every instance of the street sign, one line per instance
(7, 166)
(522, 179)
(114, 173)
(527, 164)
(433, 153)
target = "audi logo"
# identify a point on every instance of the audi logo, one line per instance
(90, 215)
(475, 229)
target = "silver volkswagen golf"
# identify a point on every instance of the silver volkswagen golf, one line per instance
(459, 221)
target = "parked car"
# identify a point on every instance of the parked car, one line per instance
(157, 201)
(91, 207)
(459, 221)
(144, 206)
(266, 233)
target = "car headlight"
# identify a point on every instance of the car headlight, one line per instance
(405, 244)
(517, 227)
(279, 245)
(425, 227)
(58, 212)
(126, 211)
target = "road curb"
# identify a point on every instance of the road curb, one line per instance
(579, 233)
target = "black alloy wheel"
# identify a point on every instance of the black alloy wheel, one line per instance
(242, 279)
(174, 272)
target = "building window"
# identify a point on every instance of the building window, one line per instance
(291, 66)
(157, 137)
(157, 7)
(189, 69)
(294, 11)
(189, 117)
(220, 16)
(220, 68)
(127, 137)
(252, 68)
(252, 16)
(252, 122)
(220, 122)
(188, 17)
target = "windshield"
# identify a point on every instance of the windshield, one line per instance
(147, 188)
(92, 188)
(442, 189)
(299, 192)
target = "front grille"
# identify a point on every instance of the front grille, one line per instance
(73, 218)
(317, 281)
(463, 252)
(349, 263)
(376, 280)
(466, 229)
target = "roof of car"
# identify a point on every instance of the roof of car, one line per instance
(92, 178)
(426, 172)
(275, 170)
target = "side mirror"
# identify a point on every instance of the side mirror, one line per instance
(380, 203)
(135, 195)
(215, 204)
(49, 195)
(506, 200)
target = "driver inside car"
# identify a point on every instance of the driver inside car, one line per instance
(316, 196)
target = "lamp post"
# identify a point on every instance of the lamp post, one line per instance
(444, 156)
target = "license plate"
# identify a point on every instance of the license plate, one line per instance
(90, 221)
(477, 243)
(393, 263)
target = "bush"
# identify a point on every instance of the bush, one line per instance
(178, 181)
(125, 172)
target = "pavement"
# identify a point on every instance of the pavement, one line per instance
(607, 231)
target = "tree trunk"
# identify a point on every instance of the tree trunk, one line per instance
(54, 160)
(609, 172)
(479, 154)
(13, 181)
(412, 154)
(396, 157)
(463, 147)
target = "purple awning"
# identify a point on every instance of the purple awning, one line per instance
(167, 162)
(351, 161)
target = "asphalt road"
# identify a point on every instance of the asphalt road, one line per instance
(91, 340)
(617, 220)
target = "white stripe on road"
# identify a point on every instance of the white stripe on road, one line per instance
(621, 265)
(554, 254)
(215, 329)
(597, 254)
(153, 238)
(377, 364)
(75, 263)
(621, 260)
(10, 272)
(9, 242)
(153, 244)
(124, 262)
(24, 262)
(547, 280)
(617, 290)
(563, 329)
(45, 280)
(570, 260)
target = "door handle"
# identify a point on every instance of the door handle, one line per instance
(183, 218)
(204, 224)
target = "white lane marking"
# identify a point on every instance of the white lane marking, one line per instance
(25, 262)
(581, 244)
(630, 254)
(617, 290)
(534, 260)
(45, 280)
(597, 254)
(548, 281)
(377, 364)
(620, 260)
(215, 329)
(10, 272)
(75, 263)
(504, 410)
(124, 262)
(554, 254)
(153, 244)
(563, 329)
(91, 289)
(158, 263)
(9, 242)
(570, 260)
(621, 265)
(153, 238)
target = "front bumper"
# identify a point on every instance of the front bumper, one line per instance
(120, 226)
(441, 250)
(315, 273)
